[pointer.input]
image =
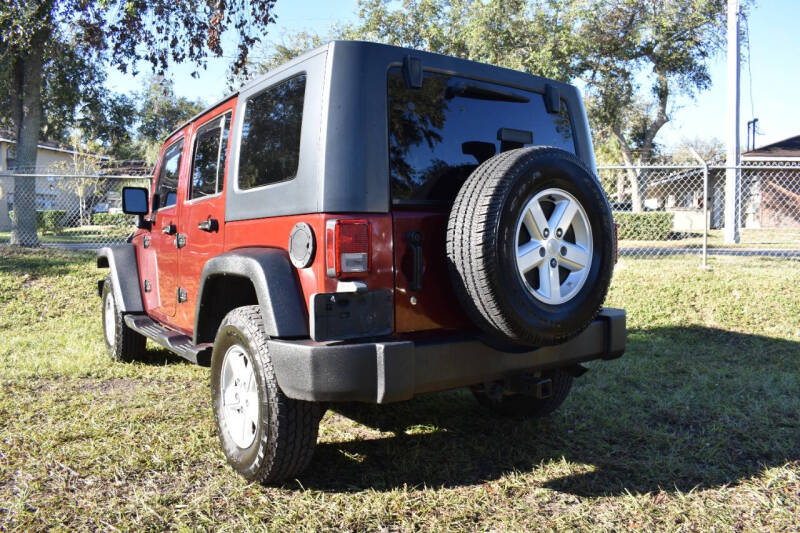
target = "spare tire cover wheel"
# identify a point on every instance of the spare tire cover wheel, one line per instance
(530, 246)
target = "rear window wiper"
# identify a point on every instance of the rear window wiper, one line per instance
(467, 90)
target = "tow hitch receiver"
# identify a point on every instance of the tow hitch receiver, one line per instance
(531, 385)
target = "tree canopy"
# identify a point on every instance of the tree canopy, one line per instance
(53, 54)
(631, 58)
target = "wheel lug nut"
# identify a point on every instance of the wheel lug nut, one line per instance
(546, 233)
(559, 233)
(564, 251)
(542, 252)
(553, 263)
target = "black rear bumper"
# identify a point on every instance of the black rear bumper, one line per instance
(383, 372)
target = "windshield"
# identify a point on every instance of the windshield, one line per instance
(439, 133)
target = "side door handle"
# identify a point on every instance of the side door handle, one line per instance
(210, 225)
(169, 229)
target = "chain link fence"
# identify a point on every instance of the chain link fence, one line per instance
(748, 210)
(751, 210)
(68, 205)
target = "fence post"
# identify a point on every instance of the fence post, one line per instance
(705, 205)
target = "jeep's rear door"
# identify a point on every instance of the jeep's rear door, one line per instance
(439, 134)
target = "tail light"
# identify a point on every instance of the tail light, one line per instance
(348, 248)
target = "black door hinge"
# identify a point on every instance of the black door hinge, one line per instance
(180, 240)
(147, 285)
(182, 297)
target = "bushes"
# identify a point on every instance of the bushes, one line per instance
(648, 226)
(112, 219)
(48, 220)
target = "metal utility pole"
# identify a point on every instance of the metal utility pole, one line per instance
(705, 204)
(732, 160)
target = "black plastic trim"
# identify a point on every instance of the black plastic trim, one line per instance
(552, 98)
(177, 343)
(392, 370)
(121, 260)
(275, 284)
(350, 315)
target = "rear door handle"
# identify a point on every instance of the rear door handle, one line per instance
(415, 243)
(169, 229)
(209, 225)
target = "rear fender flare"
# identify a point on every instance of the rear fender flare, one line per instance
(274, 281)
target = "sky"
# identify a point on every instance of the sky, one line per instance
(774, 49)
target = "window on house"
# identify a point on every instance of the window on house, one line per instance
(11, 157)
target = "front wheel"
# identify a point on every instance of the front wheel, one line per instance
(265, 435)
(122, 343)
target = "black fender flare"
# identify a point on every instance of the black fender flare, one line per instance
(121, 260)
(275, 283)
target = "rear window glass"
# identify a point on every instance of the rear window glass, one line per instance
(270, 140)
(440, 133)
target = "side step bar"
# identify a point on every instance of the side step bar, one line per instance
(173, 341)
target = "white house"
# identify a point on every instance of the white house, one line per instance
(50, 191)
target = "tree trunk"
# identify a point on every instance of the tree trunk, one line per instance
(637, 199)
(637, 203)
(28, 119)
(5, 189)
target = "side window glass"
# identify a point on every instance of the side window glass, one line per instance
(270, 140)
(167, 189)
(208, 164)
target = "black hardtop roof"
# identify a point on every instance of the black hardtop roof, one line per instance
(441, 61)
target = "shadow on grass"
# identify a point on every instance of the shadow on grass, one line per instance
(155, 355)
(684, 408)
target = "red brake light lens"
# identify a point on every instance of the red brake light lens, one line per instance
(348, 246)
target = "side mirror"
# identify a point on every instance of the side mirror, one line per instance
(134, 200)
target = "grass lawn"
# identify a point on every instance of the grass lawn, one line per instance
(777, 239)
(80, 234)
(697, 427)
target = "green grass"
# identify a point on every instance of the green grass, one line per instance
(80, 234)
(696, 428)
(769, 239)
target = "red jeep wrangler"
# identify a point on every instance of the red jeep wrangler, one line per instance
(367, 223)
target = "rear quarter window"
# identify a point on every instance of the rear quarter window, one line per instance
(440, 133)
(270, 139)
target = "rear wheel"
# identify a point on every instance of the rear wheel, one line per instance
(122, 343)
(265, 435)
(515, 404)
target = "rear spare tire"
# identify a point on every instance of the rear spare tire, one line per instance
(530, 246)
